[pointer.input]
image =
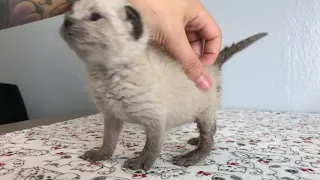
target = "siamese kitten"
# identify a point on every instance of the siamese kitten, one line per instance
(133, 80)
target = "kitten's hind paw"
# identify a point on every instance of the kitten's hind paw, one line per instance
(194, 141)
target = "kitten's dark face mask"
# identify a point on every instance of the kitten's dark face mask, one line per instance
(104, 32)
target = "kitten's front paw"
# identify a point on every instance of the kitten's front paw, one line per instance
(139, 162)
(95, 155)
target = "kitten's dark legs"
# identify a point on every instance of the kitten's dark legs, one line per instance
(207, 127)
(194, 141)
(151, 151)
(112, 129)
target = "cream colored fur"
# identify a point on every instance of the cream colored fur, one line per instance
(137, 81)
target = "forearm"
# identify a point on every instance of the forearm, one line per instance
(18, 12)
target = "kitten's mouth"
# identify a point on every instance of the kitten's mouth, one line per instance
(67, 34)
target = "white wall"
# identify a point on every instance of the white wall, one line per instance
(280, 72)
(51, 78)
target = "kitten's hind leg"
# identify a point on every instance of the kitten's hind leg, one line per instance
(207, 127)
(112, 129)
(194, 141)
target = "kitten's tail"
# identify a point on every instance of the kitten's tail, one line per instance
(227, 52)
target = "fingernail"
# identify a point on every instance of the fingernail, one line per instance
(203, 83)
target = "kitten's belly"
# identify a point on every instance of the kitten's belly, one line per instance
(177, 119)
(173, 120)
(118, 111)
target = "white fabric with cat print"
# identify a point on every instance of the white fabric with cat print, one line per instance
(249, 145)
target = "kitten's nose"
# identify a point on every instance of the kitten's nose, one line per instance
(67, 24)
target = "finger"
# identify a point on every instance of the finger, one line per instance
(208, 30)
(178, 45)
(213, 38)
(193, 36)
(196, 42)
(197, 47)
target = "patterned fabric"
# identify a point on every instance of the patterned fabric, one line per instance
(249, 145)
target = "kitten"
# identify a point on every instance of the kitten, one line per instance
(134, 80)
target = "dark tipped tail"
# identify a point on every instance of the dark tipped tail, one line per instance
(228, 52)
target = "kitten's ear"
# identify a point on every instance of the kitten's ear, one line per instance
(135, 19)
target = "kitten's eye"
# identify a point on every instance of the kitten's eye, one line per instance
(95, 17)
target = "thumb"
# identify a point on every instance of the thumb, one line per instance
(177, 44)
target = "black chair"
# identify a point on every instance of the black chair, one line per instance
(12, 108)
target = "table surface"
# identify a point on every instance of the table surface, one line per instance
(7, 128)
(249, 145)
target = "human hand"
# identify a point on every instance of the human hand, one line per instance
(182, 26)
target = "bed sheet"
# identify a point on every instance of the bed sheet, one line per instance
(249, 145)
